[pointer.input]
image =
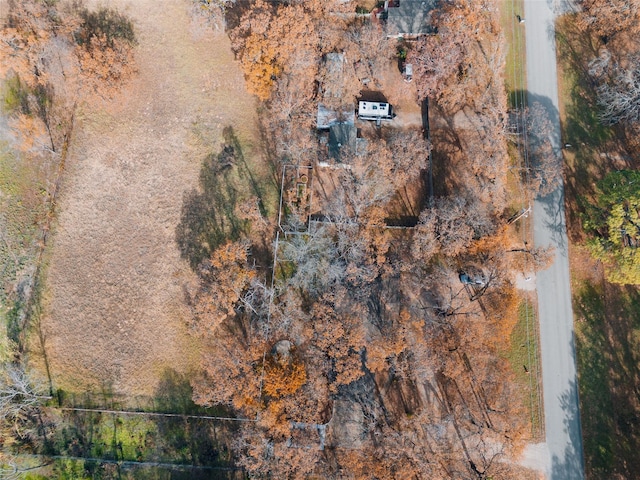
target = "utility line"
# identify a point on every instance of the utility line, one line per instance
(150, 414)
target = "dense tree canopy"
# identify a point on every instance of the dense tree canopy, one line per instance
(614, 223)
(609, 17)
(367, 331)
(615, 69)
(355, 327)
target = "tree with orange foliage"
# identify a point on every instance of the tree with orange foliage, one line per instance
(389, 342)
(284, 374)
(231, 367)
(105, 41)
(339, 335)
(226, 276)
(59, 55)
(268, 38)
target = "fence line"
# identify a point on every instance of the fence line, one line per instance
(173, 466)
(520, 104)
(150, 414)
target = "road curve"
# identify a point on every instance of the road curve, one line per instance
(557, 348)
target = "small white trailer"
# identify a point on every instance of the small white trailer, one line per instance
(375, 111)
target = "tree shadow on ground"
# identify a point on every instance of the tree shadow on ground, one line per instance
(264, 187)
(446, 145)
(268, 146)
(554, 207)
(208, 217)
(188, 435)
(174, 395)
(195, 441)
(531, 137)
(609, 375)
(571, 466)
(257, 185)
(595, 148)
(234, 11)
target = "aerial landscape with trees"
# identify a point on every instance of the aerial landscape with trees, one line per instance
(597, 53)
(290, 239)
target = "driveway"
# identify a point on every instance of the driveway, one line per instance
(557, 348)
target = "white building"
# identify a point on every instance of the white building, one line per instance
(374, 111)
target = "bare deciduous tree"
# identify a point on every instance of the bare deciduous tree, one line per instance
(620, 98)
(316, 260)
(18, 392)
(543, 173)
(608, 17)
(452, 224)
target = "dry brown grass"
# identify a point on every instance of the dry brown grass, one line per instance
(114, 301)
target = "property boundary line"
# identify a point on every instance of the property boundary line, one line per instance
(150, 414)
(173, 466)
(521, 103)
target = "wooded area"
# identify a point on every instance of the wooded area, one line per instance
(363, 322)
(364, 350)
(597, 50)
(613, 69)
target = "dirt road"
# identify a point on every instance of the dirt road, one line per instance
(114, 299)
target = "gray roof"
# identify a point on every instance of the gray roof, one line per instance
(327, 117)
(342, 136)
(411, 17)
(332, 87)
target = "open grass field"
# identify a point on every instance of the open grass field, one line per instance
(114, 300)
(607, 316)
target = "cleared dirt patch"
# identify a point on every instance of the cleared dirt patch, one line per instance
(114, 302)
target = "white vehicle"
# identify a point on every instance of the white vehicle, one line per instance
(374, 111)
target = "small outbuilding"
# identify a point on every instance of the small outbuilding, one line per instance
(407, 72)
(409, 18)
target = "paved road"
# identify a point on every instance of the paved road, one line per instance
(562, 415)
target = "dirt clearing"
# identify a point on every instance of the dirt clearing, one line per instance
(114, 301)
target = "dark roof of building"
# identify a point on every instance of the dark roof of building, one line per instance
(410, 17)
(342, 136)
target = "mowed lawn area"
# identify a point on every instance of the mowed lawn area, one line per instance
(114, 303)
(607, 316)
